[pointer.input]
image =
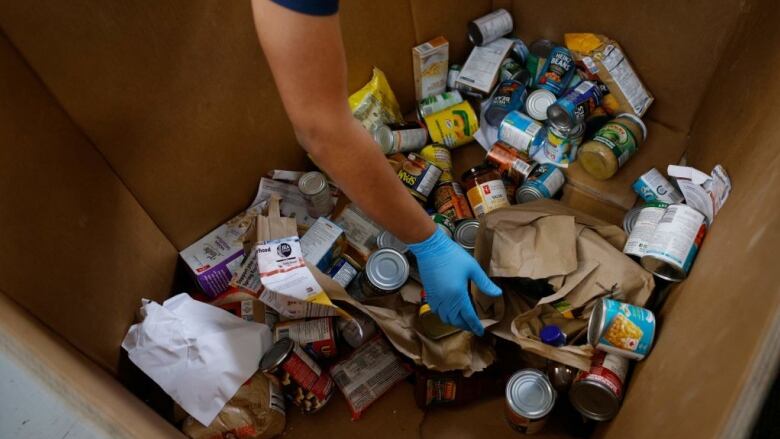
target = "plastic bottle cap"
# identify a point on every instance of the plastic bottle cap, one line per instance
(552, 335)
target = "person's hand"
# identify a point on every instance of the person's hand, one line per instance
(445, 269)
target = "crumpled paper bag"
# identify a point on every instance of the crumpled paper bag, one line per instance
(578, 255)
(199, 354)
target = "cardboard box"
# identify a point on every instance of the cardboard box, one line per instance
(323, 243)
(430, 61)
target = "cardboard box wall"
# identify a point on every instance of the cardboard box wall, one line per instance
(130, 129)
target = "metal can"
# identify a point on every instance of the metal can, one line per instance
(316, 191)
(419, 176)
(453, 126)
(484, 189)
(653, 186)
(537, 103)
(557, 71)
(316, 336)
(440, 156)
(431, 324)
(641, 225)
(401, 137)
(444, 223)
(537, 56)
(343, 272)
(597, 392)
(450, 200)
(544, 182)
(436, 103)
(675, 242)
(303, 382)
(517, 165)
(560, 145)
(529, 399)
(388, 240)
(387, 270)
(452, 76)
(466, 234)
(519, 131)
(490, 27)
(510, 69)
(509, 96)
(511, 189)
(621, 329)
(357, 330)
(519, 49)
(575, 105)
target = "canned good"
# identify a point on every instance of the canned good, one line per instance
(621, 329)
(444, 223)
(303, 382)
(511, 189)
(490, 27)
(537, 103)
(401, 137)
(431, 324)
(552, 335)
(388, 240)
(515, 164)
(519, 131)
(509, 96)
(466, 234)
(544, 182)
(452, 76)
(612, 146)
(597, 392)
(561, 376)
(510, 69)
(440, 156)
(316, 191)
(537, 56)
(316, 336)
(387, 270)
(560, 145)
(653, 186)
(436, 103)
(449, 200)
(641, 227)
(453, 126)
(484, 189)
(357, 330)
(575, 105)
(530, 398)
(675, 242)
(343, 272)
(557, 71)
(419, 176)
(519, 49)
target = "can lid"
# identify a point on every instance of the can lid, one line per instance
(388, 240)
(596, 322)
(383, 135)
(594, 400)
(276, 355)
(530, 394)
(466, 233)
(638, 121)
(537, 103)
(312, 183)
(552, 335)
(387, 269)
(663, 269)
(526, 194)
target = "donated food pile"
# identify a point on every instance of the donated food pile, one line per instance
(536, 109)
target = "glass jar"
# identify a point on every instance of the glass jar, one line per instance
(612, 146)
(485, 189)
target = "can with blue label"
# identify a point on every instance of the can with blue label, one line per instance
(653, 186)
(574, 107)
(621, 329)
(520, 131)
(544, 182)
(557, 71)
(509, 96)
(675, 242)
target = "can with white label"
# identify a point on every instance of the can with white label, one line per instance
(519, 131)
(675, 242)
(653, 186)
(490, 27)
(401, 137)
(315, 336)
(597, 392)
(641, 230)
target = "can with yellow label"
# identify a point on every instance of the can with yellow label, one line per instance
(454, 126)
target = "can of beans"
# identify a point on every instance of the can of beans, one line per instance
(303, 382)
(453, 126)
(557, 71)
(401, 137)
(597, 392)
(466, 234)
(529, 399)
(509, 96)
(316, 191)
(316, 336)
(387, 270)
(675, 242)
(450, 200)
(519, 131)
(511, 162)
(440, 157)
(544, 182)
(419, 176)
(621, 329)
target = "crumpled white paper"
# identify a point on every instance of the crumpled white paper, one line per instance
(198, 353)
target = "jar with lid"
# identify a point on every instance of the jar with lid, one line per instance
(485, 189)
(612, 146)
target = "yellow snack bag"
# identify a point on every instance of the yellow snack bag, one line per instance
(375, 104)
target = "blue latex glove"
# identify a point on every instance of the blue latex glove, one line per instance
(445, 269)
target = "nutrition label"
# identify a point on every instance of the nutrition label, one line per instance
(642, 232)
(625, 77)
(675, 237)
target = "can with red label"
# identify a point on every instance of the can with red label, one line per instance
(303, 382)
(597, 392)
(511, 162)
(315, 336)
(450, 201)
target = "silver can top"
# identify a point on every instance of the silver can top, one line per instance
(527, 194)
(383, 135)
(387, 269)
(466, 233)
(312, 183)
(594, 400)
(596, 323)
(276, 355)
(388, 240)
(537, 103)
(530, 394)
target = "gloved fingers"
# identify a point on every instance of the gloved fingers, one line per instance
(469, 318)
(483, 282)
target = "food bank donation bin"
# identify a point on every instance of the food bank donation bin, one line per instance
(131, 129)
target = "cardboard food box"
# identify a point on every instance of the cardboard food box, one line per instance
(430, 61)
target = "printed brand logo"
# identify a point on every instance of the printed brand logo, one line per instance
(486, 189)
(407, 178)
(284, 250)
